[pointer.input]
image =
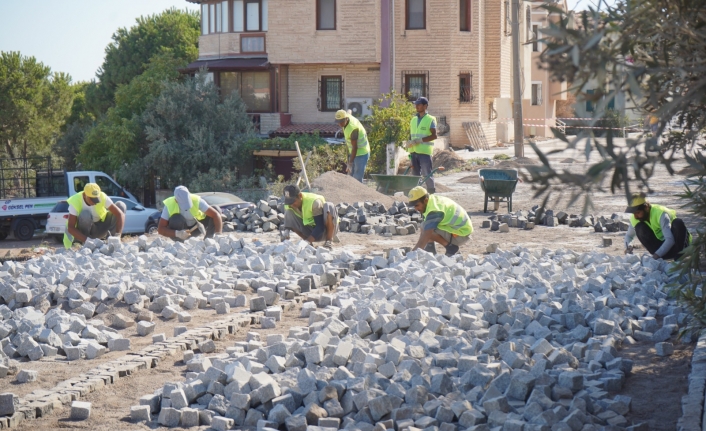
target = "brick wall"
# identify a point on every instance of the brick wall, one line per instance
(359, 81)
(293, 38)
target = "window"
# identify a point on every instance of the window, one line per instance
(252, 43)
(230, 83)
(80, 183)
(465, 88)
(528, 25)
(108, 186)
(536, 93)
(238, 18)
(465, 15)
(214, 17)
(204, 19)
(331, 93)
(326, 14)
(253, 15)
(535, 36)
(248, 15)
(416, 14)
(225, 27)
(508, 19)
(253, 87)
(415, 84)
(589, 103)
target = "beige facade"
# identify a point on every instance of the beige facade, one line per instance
(372, 51)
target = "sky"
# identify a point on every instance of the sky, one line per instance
(71, 35)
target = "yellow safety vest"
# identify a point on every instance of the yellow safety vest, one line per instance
(456, 221)
(76, 201)
(173, 207)
(354, 124)
(307, 215)
(421, 130)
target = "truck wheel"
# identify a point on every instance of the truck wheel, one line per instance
(24, 231)
(58, 238)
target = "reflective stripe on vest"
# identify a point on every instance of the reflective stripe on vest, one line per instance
(456, 220)
(77, 201)
(354, 124)
(307, 215)
(422, 130)
(656, 212)
(173, 207)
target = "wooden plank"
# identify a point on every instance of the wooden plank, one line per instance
(275, 153)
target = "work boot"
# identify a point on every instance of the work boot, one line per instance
(451, 249)
(328, 245)
(284, 235)
(430, 248)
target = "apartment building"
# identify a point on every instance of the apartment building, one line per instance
(295, 62)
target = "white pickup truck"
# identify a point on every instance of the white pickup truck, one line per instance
(23, 215)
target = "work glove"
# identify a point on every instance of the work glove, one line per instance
(182, 234)
(349, 168)
(328, 245)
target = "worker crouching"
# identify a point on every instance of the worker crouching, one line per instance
(445, 221)
(92, 214)
(186, 215)
(310, 216)
(659, 230)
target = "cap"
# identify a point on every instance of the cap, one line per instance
(636, 200)
(183, 198)
(421, 101)
(417, 194)
(291, 193)
(93, 192)
(341, 115)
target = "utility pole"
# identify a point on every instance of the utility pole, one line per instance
(516, 76)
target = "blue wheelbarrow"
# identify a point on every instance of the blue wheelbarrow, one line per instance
(498, 184)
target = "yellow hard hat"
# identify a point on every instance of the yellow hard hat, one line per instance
(416, 194)
(93, 191)
(341, 115)
(636, 200)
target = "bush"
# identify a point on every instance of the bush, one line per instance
(388, 124)
(501, 157)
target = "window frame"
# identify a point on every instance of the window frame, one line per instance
(323, 87)
(468, 17)
(217, 82)
(465, 98)
(318, 17)
(424, 16)
(246, 35)
(406, 74)
(245, 16)
(539, 101)
(507, 19)
(535, 41)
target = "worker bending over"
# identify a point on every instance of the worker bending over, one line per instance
(182, 214)
(445, 221)
(659, 230)
(92, 214)
(310, 216)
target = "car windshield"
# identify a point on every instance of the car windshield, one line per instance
(221, 198)
(61, 207)
(128, 203)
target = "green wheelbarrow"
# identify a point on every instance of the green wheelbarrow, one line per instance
(498, 184)
(391, 184)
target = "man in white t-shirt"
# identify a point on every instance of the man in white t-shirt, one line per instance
(92, 214)
(181, 213)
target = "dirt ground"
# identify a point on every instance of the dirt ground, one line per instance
(656, 384)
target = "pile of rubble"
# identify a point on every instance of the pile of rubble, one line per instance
(514, 339)
(529, 219)
(360, 217)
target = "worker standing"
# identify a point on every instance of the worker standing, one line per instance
(92, 214)
(357, 143)
(310, 216)
(445, 221)
(659, 230)
(421, 146)
(182, 213)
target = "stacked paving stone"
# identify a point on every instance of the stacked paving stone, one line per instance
(514, 340)
(529, 219)
(360, 217)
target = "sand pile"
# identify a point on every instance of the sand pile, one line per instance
(688, 171)
(339, 188)
(448, 159)
(473, 179)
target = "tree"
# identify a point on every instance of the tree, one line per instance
(191, 132)
(389, 122)
(79, 121)
(173, 31)
(34, 104)
(651, 51)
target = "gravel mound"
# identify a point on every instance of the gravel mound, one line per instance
(448, 159)
(338, 188)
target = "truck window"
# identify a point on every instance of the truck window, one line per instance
(80, 183)
(108, 186)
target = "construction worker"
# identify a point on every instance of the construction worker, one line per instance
(310, 216)
(183, 213)
(445, 221)
(659, 230)
(423, 131)
(357, 143)
(92, 214)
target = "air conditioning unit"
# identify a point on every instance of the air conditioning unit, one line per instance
(359, 106)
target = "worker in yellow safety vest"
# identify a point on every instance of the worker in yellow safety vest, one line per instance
(310, 216)
(183, 212)
(657, 227)
(357, 143)
(445, 221)
(92, 214)
(421, 146)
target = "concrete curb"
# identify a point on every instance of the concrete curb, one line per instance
(692, 404)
